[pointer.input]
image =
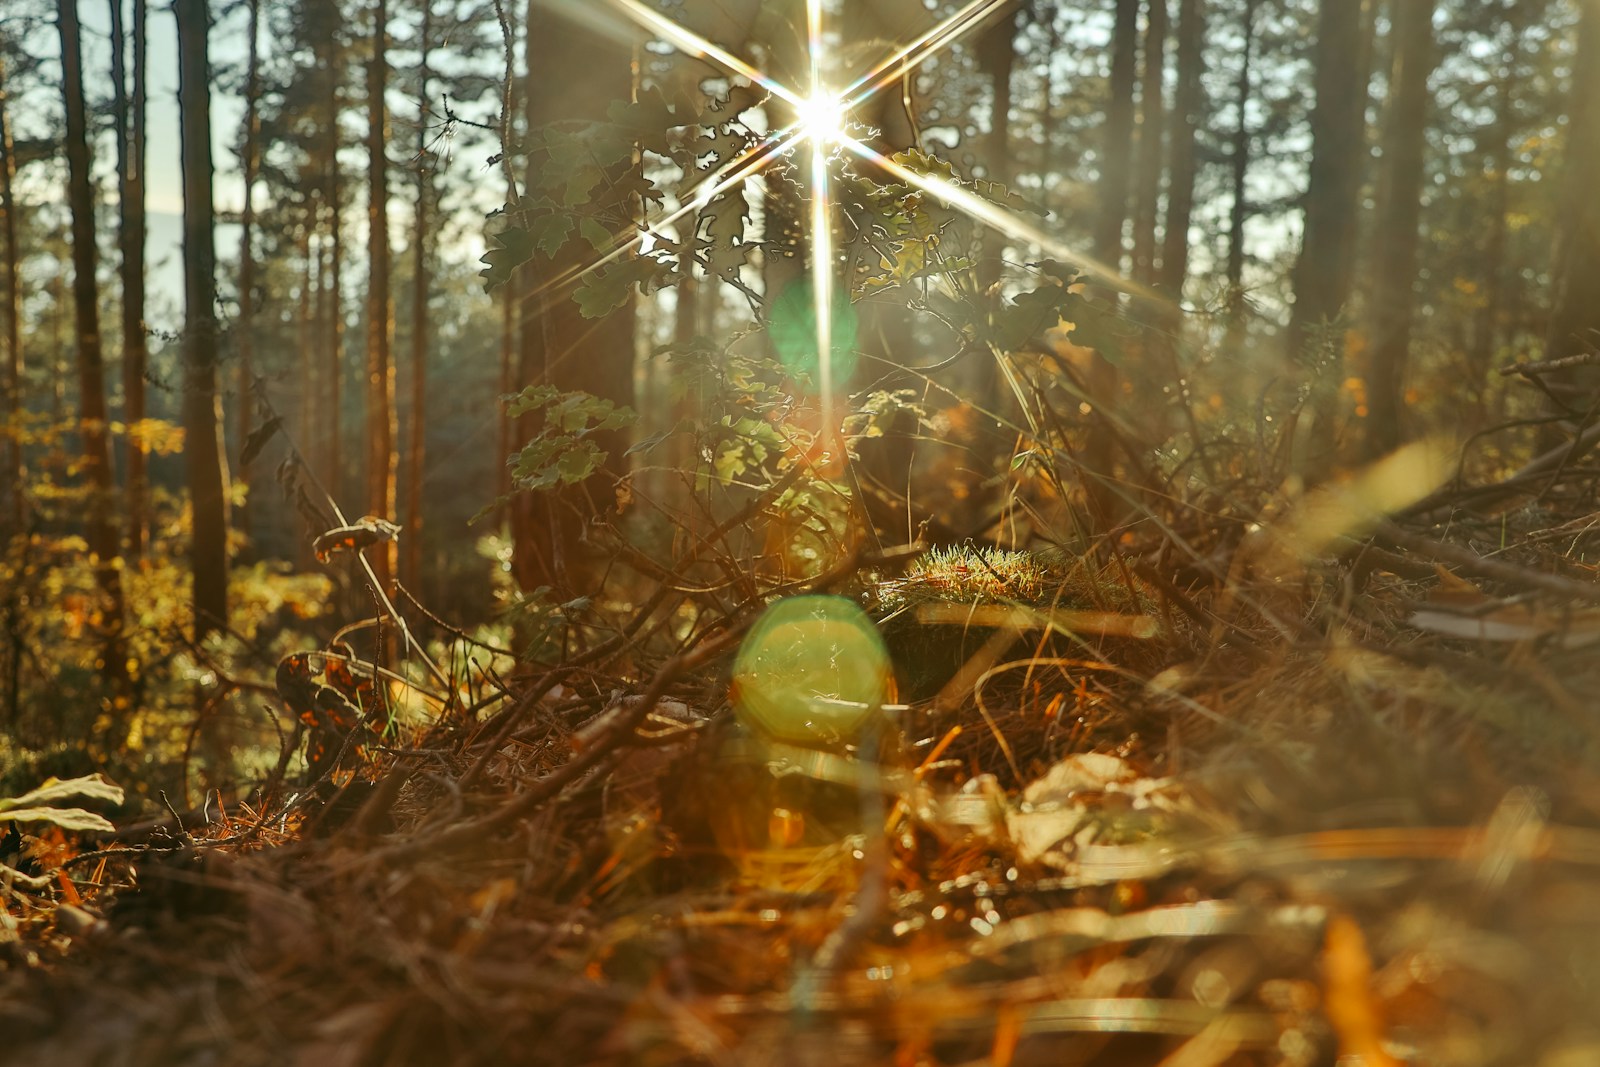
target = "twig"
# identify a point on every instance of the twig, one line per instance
(1546, 366)
(1498, 570)
(1554, 460)
(524, 804)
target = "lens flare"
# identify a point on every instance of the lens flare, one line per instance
(820, 118)
(813, 670)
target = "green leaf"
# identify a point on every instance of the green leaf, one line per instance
(508, 250)
(997, 193)
(549, 232)
(605, 290)
(579, 462)
(599, 238)
(728, 214)
(54, 790)
(65, 818)
(648, 119)
(533, 398)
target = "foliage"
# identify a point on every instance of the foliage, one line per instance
(564, 451)
(43, 804)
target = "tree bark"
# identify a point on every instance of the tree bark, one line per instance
(997, 55)
(1117, 149)
(333, 279)
(101, 518)
(247, 252)
(382, 459)
(202, 411)
(1188, 113)
(1485, 335)
(420, 281)
(576, 80)
(130, 242)
(997, 58)
(17, 507)
(1399, 215)
(1239, 172)
(1575, 314)
(1152, 133)
(1325, 268)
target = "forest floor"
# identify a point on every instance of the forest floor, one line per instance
(1292, 808)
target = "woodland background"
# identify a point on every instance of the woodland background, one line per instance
(1382, 204)
(386, 489)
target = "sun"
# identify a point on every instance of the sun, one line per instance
(822, 118)
(819, 120)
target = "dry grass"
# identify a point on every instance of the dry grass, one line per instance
(1300, 818)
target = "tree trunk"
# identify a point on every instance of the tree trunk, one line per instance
(1188, 113)
(202, 411)
(130, 241)
(101, 524)
(1325, 268)
(382, 459)
(17, 507)
(1485, 334)
(1152, 131)
(997, 57)
(1239, 172)
(420, 280)
(247, 253)
(1117, 149)
(333, 279)
(1575, 314)
(1399, 214)
(577, 80)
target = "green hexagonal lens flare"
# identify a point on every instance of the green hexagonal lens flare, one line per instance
(793, 330)
(813, 670)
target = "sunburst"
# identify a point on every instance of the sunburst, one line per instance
(820, 121)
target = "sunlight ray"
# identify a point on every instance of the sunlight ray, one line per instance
(999, 218)
(821, 221)
(735, 172)
(914, 53)
(820, 115)
(691, 43)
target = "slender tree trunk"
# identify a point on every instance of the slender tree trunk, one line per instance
(1239, 173)
(1152, 131)
(997, 55)
(1188, 113)
(509, 347)
(137, 355)
(686, 318)
(412, 570)
(1325, 269)
(101, 524)
(382, 458)
(1399, 215)
(202, 410)
(334, 279)
(308, 334)
(247, 252)
(1575, 315)
(1117, 149)
(130, 234)
(17, 507)
(1486, 332)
